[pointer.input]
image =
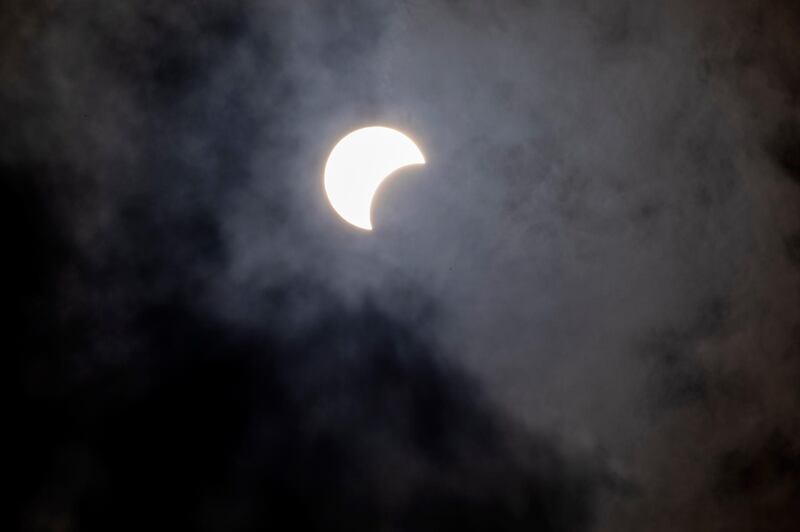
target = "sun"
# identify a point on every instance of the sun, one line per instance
(357, 166)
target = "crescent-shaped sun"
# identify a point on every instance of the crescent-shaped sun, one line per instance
(357, 166)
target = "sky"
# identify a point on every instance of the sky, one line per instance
(580, 315)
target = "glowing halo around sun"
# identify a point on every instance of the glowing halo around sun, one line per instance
(357, 166)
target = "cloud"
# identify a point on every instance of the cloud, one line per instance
(600, 253)
(178, 419)
(153, 388)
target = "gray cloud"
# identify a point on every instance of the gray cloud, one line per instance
(604, 235)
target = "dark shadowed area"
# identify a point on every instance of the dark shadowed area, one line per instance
(582, 314)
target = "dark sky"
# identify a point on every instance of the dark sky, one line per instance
(583, 314)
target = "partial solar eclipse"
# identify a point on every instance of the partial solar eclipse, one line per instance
(357, 166)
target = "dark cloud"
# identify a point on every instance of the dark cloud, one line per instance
(677, 377)
(580, 315)
(784, 147)
(355, 424)
(137, 406)
(793, 247)
(763, 476)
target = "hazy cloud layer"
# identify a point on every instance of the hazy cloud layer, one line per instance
(580, 314)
